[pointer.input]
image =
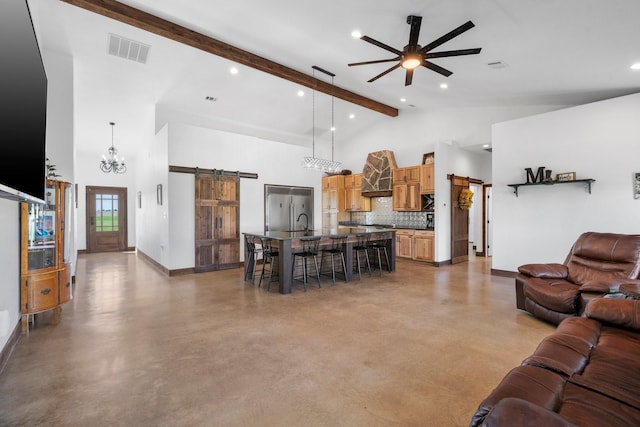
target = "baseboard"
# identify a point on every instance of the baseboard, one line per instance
(5, 354)
(503, 273)
(162, 268)
(480, 254)
(82, 251)
(153, 262)
(441, 263)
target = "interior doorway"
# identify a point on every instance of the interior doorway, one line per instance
(106, 219)
(460, 218)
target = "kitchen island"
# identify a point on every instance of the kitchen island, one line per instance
(289, 241)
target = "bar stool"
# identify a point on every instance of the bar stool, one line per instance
(270, 252)
(309, 250)
(379, 245)
(253, 251)
(362, 245)
(335, 248)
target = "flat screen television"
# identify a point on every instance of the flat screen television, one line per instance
(23, 106)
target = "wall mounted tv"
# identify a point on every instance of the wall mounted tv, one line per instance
(23, 105)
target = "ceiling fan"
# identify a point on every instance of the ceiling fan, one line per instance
(413, 55)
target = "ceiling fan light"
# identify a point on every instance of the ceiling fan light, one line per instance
(409, 62)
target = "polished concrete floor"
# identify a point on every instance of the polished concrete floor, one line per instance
(418, 347)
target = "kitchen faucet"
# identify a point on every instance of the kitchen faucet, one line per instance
(306, 227)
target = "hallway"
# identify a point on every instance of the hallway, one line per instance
(418, 347)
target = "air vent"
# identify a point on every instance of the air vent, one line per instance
(128, 49)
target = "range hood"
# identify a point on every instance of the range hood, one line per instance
(377, 174)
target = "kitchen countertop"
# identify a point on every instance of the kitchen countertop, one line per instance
(297, 234)
(387, 226)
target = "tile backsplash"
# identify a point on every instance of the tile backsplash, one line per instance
(382, 213)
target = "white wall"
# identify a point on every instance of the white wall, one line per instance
(10, 265)
(600, 141)
(191, 146)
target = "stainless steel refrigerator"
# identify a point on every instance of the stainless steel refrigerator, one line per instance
(287, 208)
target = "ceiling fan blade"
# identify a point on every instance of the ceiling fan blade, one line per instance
(453, 53)
(374, 62)
(384, 73)
(451, 34)
(437, 68)
(415, 22)
(380, 44)
(408, 78)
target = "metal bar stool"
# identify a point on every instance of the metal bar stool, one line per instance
(335, 248)
(380, 245)
(309, 250)
(254, 251)
(362, 245)
(269, 253)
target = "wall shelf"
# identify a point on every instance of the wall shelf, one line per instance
(587, 181)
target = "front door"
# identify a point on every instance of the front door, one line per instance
(106, 219)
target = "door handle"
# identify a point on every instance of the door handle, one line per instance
(92, 221)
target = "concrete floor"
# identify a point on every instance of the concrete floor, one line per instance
(418, 347)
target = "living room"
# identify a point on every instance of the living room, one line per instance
(591, 132)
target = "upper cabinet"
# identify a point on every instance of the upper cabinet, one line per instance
(427, 182)
(354, 200)
(333, 193)
(406, 189)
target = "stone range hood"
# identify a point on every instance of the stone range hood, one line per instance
(377, 174)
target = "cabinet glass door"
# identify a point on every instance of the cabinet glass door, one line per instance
(41, 246)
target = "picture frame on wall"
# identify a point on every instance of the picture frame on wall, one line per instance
(636, 185)
(567, 176)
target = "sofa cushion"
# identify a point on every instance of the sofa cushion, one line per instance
(567, 350)
(588, 408)
(613, 367)
(536, 385)
(555, 294)
(519, 412)
(603, 257)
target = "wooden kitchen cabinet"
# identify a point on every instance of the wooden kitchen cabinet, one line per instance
(45, 254)
(406, 189)
(407, 174)
(427, 181)
(333, 201)
(404, 243)
(423, 245)
(354, 200)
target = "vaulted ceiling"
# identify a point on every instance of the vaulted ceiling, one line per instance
(552, 52)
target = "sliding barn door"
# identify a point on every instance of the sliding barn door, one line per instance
(217, 211)
(459, 222)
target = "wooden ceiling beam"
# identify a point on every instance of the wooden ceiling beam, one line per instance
(148, 22)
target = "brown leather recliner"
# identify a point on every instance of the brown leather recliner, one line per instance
(597, 264)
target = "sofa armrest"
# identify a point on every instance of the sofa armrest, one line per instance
(615, 311)
(608, 286)
(512, 411)
(545, 271)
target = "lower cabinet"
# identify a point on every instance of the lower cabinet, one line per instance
(404, 243)
(417, 245)
(423, 245)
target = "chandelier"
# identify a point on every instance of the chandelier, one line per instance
(111, 163)
(313, 162)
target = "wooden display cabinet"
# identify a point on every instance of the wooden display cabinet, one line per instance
(45, 255)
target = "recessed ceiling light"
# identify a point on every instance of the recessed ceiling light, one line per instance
(352, 116)
(300, 93)
(356, 34)
(333, 128)
(486, 146)
(635, 66)
(403, 99)
(233, 70)
(443, 86)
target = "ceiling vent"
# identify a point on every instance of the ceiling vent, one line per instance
(128, 49)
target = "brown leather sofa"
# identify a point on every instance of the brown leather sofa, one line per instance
(587, 373)
(596, 265)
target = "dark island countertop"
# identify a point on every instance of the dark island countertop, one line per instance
(297, 234)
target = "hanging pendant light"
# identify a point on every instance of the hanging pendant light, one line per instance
(313, 162)
(111, 163)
